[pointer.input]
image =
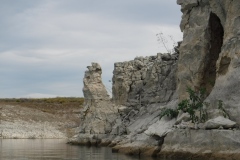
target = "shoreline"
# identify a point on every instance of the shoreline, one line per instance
(175, 145)
(29, 121)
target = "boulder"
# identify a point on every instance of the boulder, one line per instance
(161, 128)
(219, 122)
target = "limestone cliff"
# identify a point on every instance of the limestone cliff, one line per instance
(209, 53)
(208, 58)
(145, 80)
(132, 114)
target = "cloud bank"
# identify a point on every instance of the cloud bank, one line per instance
(46, 45)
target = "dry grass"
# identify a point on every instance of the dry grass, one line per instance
(51, 105)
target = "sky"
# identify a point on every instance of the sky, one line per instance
(46, 45)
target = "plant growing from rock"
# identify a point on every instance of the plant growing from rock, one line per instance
(164, 41)
(222, 109)
(171, 113)
(194, 104)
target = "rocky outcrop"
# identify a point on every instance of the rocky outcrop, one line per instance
(145, 80)
(93, 87)
(103, 124)
(98, 114)
(209, 53)
(208, 58)
(145, 132)
(201, 144)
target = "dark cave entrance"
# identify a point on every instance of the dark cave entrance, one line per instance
(216, 33)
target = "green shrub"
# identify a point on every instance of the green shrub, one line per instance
(191, 106)
(194, 104)
(171, 113)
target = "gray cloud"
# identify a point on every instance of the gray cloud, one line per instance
(46, 45)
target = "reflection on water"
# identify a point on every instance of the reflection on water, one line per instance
(54, 149)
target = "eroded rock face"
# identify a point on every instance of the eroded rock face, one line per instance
(93, 87)
(209, 58)
(209, 54)
(209, 144)
(144, 81)
(99, 113)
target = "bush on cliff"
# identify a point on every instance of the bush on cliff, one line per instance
(171, 113)
(194, 106)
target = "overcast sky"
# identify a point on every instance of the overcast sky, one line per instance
(45, 45)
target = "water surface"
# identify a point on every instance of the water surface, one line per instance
(54, 149)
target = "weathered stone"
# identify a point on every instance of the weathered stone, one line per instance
(208, 58)
(161, 128)
(93, 87)
(143, 145)
(220, 122)
(209, 55)
(208, 143)
(145, 80)
(187, 4)
(184, 117)
(99, 114)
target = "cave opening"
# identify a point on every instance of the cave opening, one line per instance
(216, 33)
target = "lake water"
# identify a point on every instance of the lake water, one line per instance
(54, 149)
